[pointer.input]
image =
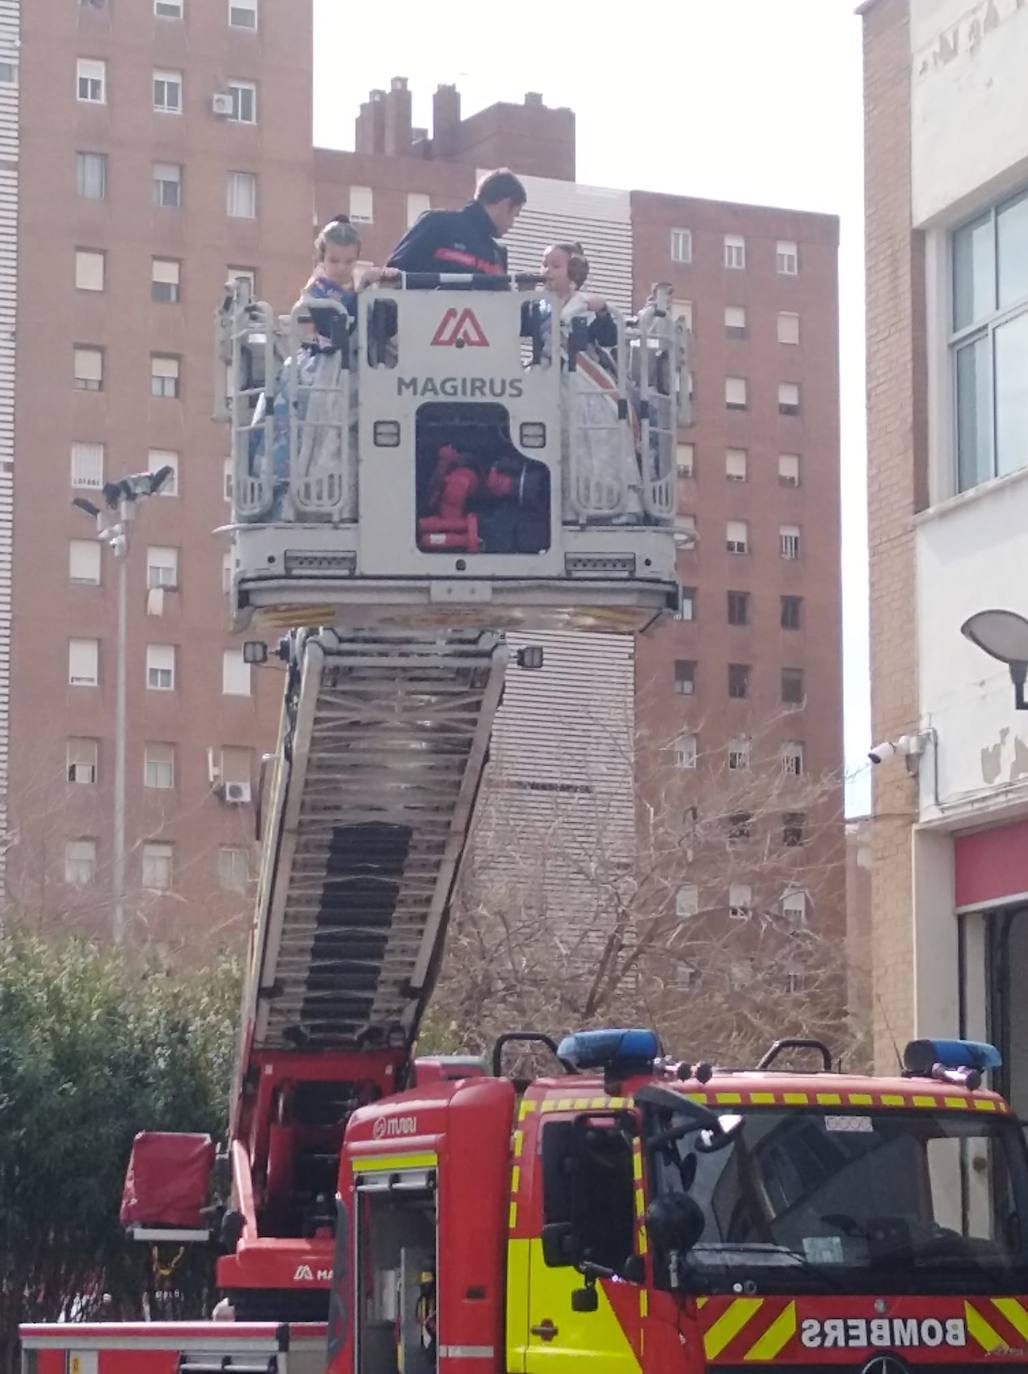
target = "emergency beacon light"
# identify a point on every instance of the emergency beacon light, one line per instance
(613, 1051)
(961, 1062)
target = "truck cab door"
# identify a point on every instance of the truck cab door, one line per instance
(588, 1199)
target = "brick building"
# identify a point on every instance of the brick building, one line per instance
(946, 114)
(178, 149)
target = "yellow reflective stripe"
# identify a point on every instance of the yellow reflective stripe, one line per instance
(955, 1102)
(644, 1302)
(924, 1101)
(986, 1336)
(781, 1330)
(386, 1163)
(762, 1099)
(644, 1243)
(860, 1099)
(729, 1324)
(700, 1098)
(984, 1104)
(728, 1099)
(701, 1302)
(515, 1178)
(829, 1099)
(893, 1100)
(640, 1203)
(526, 1109)
(1014, 1313)
(519, 1142)
(637, 1164)
(512, 1215)
(796, 1099)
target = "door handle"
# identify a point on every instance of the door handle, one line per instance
(545, 1329)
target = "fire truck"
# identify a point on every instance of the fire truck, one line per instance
(409, 489)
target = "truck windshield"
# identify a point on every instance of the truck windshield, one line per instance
(888, 1200)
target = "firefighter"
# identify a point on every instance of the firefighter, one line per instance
(459, 241)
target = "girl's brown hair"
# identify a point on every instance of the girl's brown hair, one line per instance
(340, 232)
(578, 263)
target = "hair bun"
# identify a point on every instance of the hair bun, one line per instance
(340, 219)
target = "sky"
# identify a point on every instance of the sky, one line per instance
(748, 100)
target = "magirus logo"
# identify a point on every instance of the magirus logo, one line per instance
(305, 1273)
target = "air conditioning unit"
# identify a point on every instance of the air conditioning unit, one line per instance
(221, 104)
(236, 793)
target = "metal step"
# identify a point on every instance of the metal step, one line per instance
(384, 742)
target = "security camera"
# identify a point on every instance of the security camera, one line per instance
(880, 752)
(911, 746)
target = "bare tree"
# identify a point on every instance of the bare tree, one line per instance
(719, 918)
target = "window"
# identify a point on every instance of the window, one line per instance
(788, 398)
(158, 458)
(167, 185)
(418, 204)
(792, 829)
(740, 827)
(737, 536)
(89, 269)
(244, 101)
(362, 205)
(734, 251)
(736, 465)
(91, 80)
(159, 766)
(738, 608)
(686, 604)
(685, 677)
(235, 674)
(739, 681)
(87, 466)
(989, 342)
(794, 907)
(233, 869)
(81, 760)
(739, 755)
(685, 454)
(788, 469)
(88, 368)
(687, 901)
(241, 195)
(735, 393)
(735, 321)
(167, 92)
(91, 175)
(242, 14)
(792, 686)
(164, 376)
(740, 901)
(83, 662)
(787, 257)
(167, 9)
(80, 862)
(682, 310)
(792, 612)
(789, 541)
(788, 328)
(681, 245)
(165, 278)
(236, 765)
(84, 562)
(686, 748)
(792, 758)
(160, 667)
(587, 1190)
(162, 567)
(158, 859)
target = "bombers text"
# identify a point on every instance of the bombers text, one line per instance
(882, 1332)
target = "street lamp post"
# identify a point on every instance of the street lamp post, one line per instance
(121, 498)
(1003, 635)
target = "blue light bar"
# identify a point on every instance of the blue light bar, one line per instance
(922, 1056)
(621, 1051)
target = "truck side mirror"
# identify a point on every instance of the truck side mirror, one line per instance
(561, 1245)
(585, 1299)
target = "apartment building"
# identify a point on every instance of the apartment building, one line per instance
(177, 152)
(946, 113)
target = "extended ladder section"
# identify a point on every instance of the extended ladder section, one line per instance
(383, 745)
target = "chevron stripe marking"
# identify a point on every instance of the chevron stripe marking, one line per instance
(729, 1324)
(774, 1339)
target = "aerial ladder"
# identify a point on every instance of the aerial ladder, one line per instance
(408, 486)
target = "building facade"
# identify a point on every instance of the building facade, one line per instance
(177, 152)
(947, 248)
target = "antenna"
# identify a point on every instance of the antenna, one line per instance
(888, 1027)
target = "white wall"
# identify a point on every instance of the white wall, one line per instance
(972, 553)
(969, 97)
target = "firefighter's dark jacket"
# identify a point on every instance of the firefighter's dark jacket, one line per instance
(451, 241)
